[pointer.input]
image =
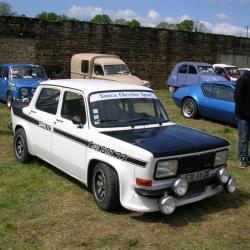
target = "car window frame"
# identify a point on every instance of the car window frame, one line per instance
(62, 99)
(48, 87)
(219, 98)
(178, 72)
(202, 89)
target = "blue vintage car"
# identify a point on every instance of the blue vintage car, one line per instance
(188, 73)
(213, 100)
(18, 81)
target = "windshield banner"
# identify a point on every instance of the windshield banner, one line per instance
(121, 95)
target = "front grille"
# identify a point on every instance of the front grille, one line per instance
(196, 163)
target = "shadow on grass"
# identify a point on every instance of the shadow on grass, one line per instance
(197, 212)
(184, 215)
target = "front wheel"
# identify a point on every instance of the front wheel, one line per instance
(105, 187)
(189, 108)
(9, 100)
(20, 146)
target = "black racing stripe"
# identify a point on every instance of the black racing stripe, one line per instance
(72, 137)
(136, 161)
(18, 111)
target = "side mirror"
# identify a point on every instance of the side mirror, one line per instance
(77, 121)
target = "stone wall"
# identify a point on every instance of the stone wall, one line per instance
(151, 53)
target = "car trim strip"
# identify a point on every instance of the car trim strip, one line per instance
(72, 137)
(120, 156)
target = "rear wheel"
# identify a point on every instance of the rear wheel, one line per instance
(9, 100)
(105, 187)
(189, 108)
(20, 146)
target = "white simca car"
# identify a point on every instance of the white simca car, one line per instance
(118, 140)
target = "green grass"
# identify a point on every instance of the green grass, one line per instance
(41, 208)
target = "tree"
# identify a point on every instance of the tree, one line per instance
(51, 16)
(102, 19)
(121, 21)
(200, 27)
(186, 25)
(133, 23)
(165, 25)
(6, 9)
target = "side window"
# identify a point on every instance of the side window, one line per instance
(183, 69)
(206, 88)
(219, 71)
(98, 70)
(48, 100)
(1, 71)
(73, 105)
(85, 66)
(222, 92)
(6, 72)
(192, 70)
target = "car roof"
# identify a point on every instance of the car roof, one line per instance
(90, 85)
(194, 63)
(223, 65)
(18, 64)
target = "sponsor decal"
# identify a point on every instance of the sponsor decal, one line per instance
(108, 151)
(44, 125)
(121, 94)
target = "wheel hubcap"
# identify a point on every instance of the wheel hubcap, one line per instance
(19, 146)
(188, 109)
(100, 185)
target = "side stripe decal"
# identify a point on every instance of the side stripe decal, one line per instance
(102, 149)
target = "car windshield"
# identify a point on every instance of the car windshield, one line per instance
(116, 69)
(126, 108)
(206, 69)
(232, 71)
(28, 72)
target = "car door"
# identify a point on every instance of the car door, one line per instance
(43, 115)
(70, 141)
(1, 83)
(182, 75)
(220, 104)
(4, 83)
(204, 97)
(192, 76)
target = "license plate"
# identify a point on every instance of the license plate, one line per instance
(196, 176)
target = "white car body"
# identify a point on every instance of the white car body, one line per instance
(75, 149)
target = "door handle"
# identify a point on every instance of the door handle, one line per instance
(33, 111)
(59, 120)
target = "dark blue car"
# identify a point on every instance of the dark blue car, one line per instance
(213, 100)
(18, 81)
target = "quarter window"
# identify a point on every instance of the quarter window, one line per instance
(222, 92)
(1, 71)
(206, 88)
(85, 66)
(183, 69)
(191, 70)
(73, 105)
(48, 100)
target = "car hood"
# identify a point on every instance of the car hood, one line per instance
(32, 83)
(170, 140)
(125, 78)
(212, 77)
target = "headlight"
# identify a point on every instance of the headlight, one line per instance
(166, 169)
(12, 86)
(180, 187)
(220, 158)
(24, 91)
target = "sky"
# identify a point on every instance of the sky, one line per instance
(229, 17)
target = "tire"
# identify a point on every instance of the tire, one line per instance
(171, 89)
(20, 146)
(189, 108)
(105, 187)
(9, 100)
